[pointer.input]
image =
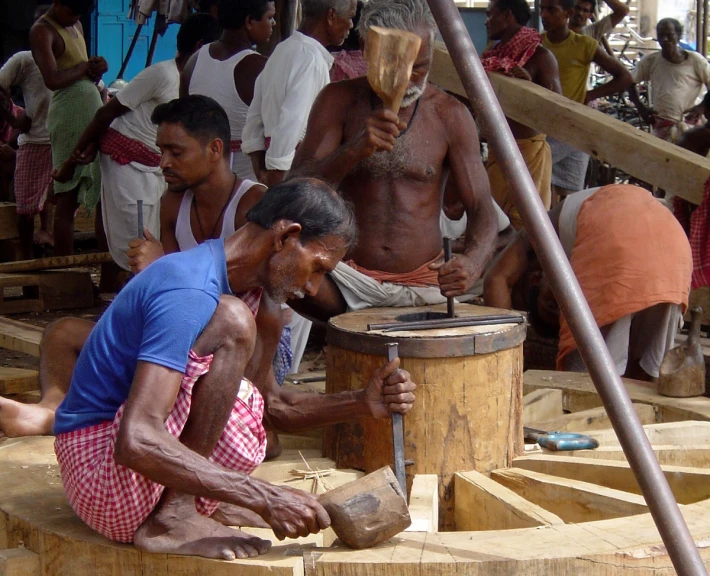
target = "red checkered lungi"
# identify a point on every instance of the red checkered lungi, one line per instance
(115, 500)
(33, 177)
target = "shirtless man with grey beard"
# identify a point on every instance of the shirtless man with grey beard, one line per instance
(393, 169)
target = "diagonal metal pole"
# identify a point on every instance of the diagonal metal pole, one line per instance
(637, 448)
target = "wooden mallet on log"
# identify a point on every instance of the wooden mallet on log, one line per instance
(390, 55)
(367, 511)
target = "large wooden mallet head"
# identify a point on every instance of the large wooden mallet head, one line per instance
(390, 55)
(367, 511)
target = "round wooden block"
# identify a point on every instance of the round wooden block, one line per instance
(468, 412)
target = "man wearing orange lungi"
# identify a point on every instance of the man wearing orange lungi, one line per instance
(633, 263)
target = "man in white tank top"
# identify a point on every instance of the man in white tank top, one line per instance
(226, 70)
(123, 136)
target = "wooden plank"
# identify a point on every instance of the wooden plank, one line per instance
(17, 380)
(592, 419)
(8, 220)
(689, 433)
(541, 405)
(55, 262)
(579, 394)
(19, 562)
(634, 151)
(673, 455)
(688, 484)
(424, 503)
(572, 500)
(484, 504)
(20, 336)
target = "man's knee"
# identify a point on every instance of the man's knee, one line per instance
(66, 332)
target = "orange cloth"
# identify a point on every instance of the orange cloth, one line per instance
(630, 253)
(422, 277)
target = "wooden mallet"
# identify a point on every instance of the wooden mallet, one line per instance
(367, 511)
(390, 55)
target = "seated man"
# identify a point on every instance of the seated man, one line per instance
(393, 168)
(632, 260)
(159, 425)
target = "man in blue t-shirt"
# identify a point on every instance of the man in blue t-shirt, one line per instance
(159, 425)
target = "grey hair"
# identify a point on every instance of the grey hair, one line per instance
(316, 8)
(409, 15)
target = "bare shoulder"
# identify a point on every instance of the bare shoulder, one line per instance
(345, 91)
(170, 204)
(251, 64)
(453, 114)
(41, 31)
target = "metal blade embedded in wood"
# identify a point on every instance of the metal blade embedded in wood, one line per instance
(397, 432)
(449, 300)
(443, 323)
(390, 55)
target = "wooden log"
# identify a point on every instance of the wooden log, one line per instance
(19, 562)
(688, 484)
(424, 503)
(571, 500)
(634, 151)
(17, 380)
(579, 394)
(55, 262)
(20, 336)
(368, 511)
(468, 413)
(541, 405)
(592, 419)
(484, 504)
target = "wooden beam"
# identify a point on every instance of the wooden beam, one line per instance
(484, 504)
(572, 500)
(592, 419)
(579, 394)
(541, 405)
(8, 220)
(634, 151)
(17, 380)
(688, 484)
(19, 562)
(672, 454)
(689, 433)
(20, 336)
(424, 503)
(55, 262)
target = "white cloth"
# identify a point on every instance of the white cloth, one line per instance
(361, 291)
(215, 78)
(644, 336)
(598, 29)
(121, 188)
(674, 87)
(155, 85)
(567, 223)
(183, 230)
(300, 329)
(21, 70)
(457, 228)
(284, 92)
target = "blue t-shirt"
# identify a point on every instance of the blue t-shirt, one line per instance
(156, 318)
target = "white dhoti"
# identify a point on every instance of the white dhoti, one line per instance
(121, 188)
(361, 291)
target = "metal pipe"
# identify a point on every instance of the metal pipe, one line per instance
(704, 40)
(637, 448)
(698, 23)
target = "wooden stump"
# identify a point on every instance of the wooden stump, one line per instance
(468, 412)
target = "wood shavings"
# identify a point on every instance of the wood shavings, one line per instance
(316, 476)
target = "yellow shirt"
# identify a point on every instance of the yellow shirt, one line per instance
(574, 56)
(74, 46)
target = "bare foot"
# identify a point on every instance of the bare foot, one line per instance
(273, 445)
(42, 237)
(232, 515)
(17, 419)
(171, 531)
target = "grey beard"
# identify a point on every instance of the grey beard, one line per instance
(414, 93)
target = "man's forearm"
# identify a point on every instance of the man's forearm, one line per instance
(480, 238)
(614, 86)
(619, 9)
(63, 78)
(296, 411)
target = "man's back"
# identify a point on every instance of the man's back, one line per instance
(156, 318)
(21, 70)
